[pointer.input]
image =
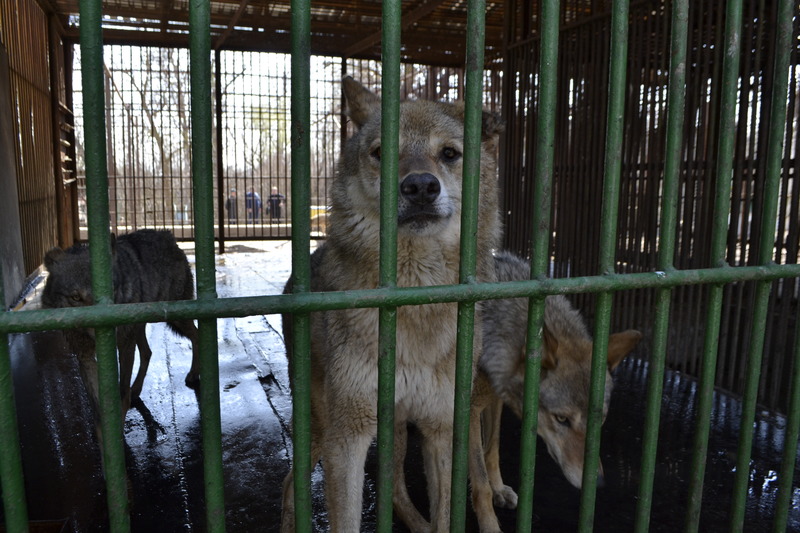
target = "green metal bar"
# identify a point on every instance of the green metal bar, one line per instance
(542, 198)
(387, 317)
(476, 33)
(666, 253)
(608, 232)
(786, 475)
(103, 315)
(729, 88)
(12, 483)
(301, 273)
(202, 189)
(775, 147)
(91, 39)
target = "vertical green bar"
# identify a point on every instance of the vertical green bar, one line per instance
(666, 253)
(543, 183)
(727, 135)
(786, 476)
(608, 231)
(387, 318)
(301, 243)
(203, 186)
(775, 146)
(476, 31)
(97, 199)
(12, 484)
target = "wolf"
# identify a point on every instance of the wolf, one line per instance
(344, 343)
(563, 389)
(563, 395)
(147, 266)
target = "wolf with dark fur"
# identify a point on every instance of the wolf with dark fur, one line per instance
(344, 351)
(148, 266)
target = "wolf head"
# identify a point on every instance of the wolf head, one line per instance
(69, 280)
(564, 394)
(430, 164)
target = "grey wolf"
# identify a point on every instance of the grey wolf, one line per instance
(344, 350)
(563, 394)
(563, 389)
(147, 266)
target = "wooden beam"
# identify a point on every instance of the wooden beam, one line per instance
(425, 9)
(232, 24)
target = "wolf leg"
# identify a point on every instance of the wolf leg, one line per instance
(287, 501)
(126, 345)
(144, 360)
(504, 496)
(343, 459)
(479, 478)
(437, 449)
(403, 506)
(189, 330)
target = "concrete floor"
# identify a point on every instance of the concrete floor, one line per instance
(162, 435)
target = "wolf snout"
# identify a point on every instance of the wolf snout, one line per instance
(420, 189)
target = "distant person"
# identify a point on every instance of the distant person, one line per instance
(232, 207)
(252, 202)
(276, 201)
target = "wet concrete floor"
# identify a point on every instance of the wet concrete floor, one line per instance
(164, 456)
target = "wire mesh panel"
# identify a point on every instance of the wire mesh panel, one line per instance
(148, 113)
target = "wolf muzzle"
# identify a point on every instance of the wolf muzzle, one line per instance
(420, 189)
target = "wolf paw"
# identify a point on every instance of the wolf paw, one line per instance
(505, 498)
(192, 381)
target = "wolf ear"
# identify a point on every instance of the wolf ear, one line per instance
(549, 349)
(52, 256)
(361, 103)
(112, 240)
(491, 125)
(620, 345)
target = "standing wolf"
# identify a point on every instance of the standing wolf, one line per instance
(344, 351)
(148, 266)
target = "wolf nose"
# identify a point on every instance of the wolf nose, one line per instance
(420, 189)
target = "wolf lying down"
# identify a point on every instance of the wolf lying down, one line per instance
(148, 266)
(563, 394)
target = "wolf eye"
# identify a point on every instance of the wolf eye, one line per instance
(75, 297)
(376, 153)
(450, 154)
(563, 420)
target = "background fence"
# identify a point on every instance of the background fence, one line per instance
(149, 134)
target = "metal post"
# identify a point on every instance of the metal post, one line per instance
(202, 182)
(476, 32)
(387, 316)
(666, 253)
(730, 85)
(543, 184)
(98, 208)
(777, 129)
(301, 185)
(608, 233)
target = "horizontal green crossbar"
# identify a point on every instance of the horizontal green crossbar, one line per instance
(114, 314)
